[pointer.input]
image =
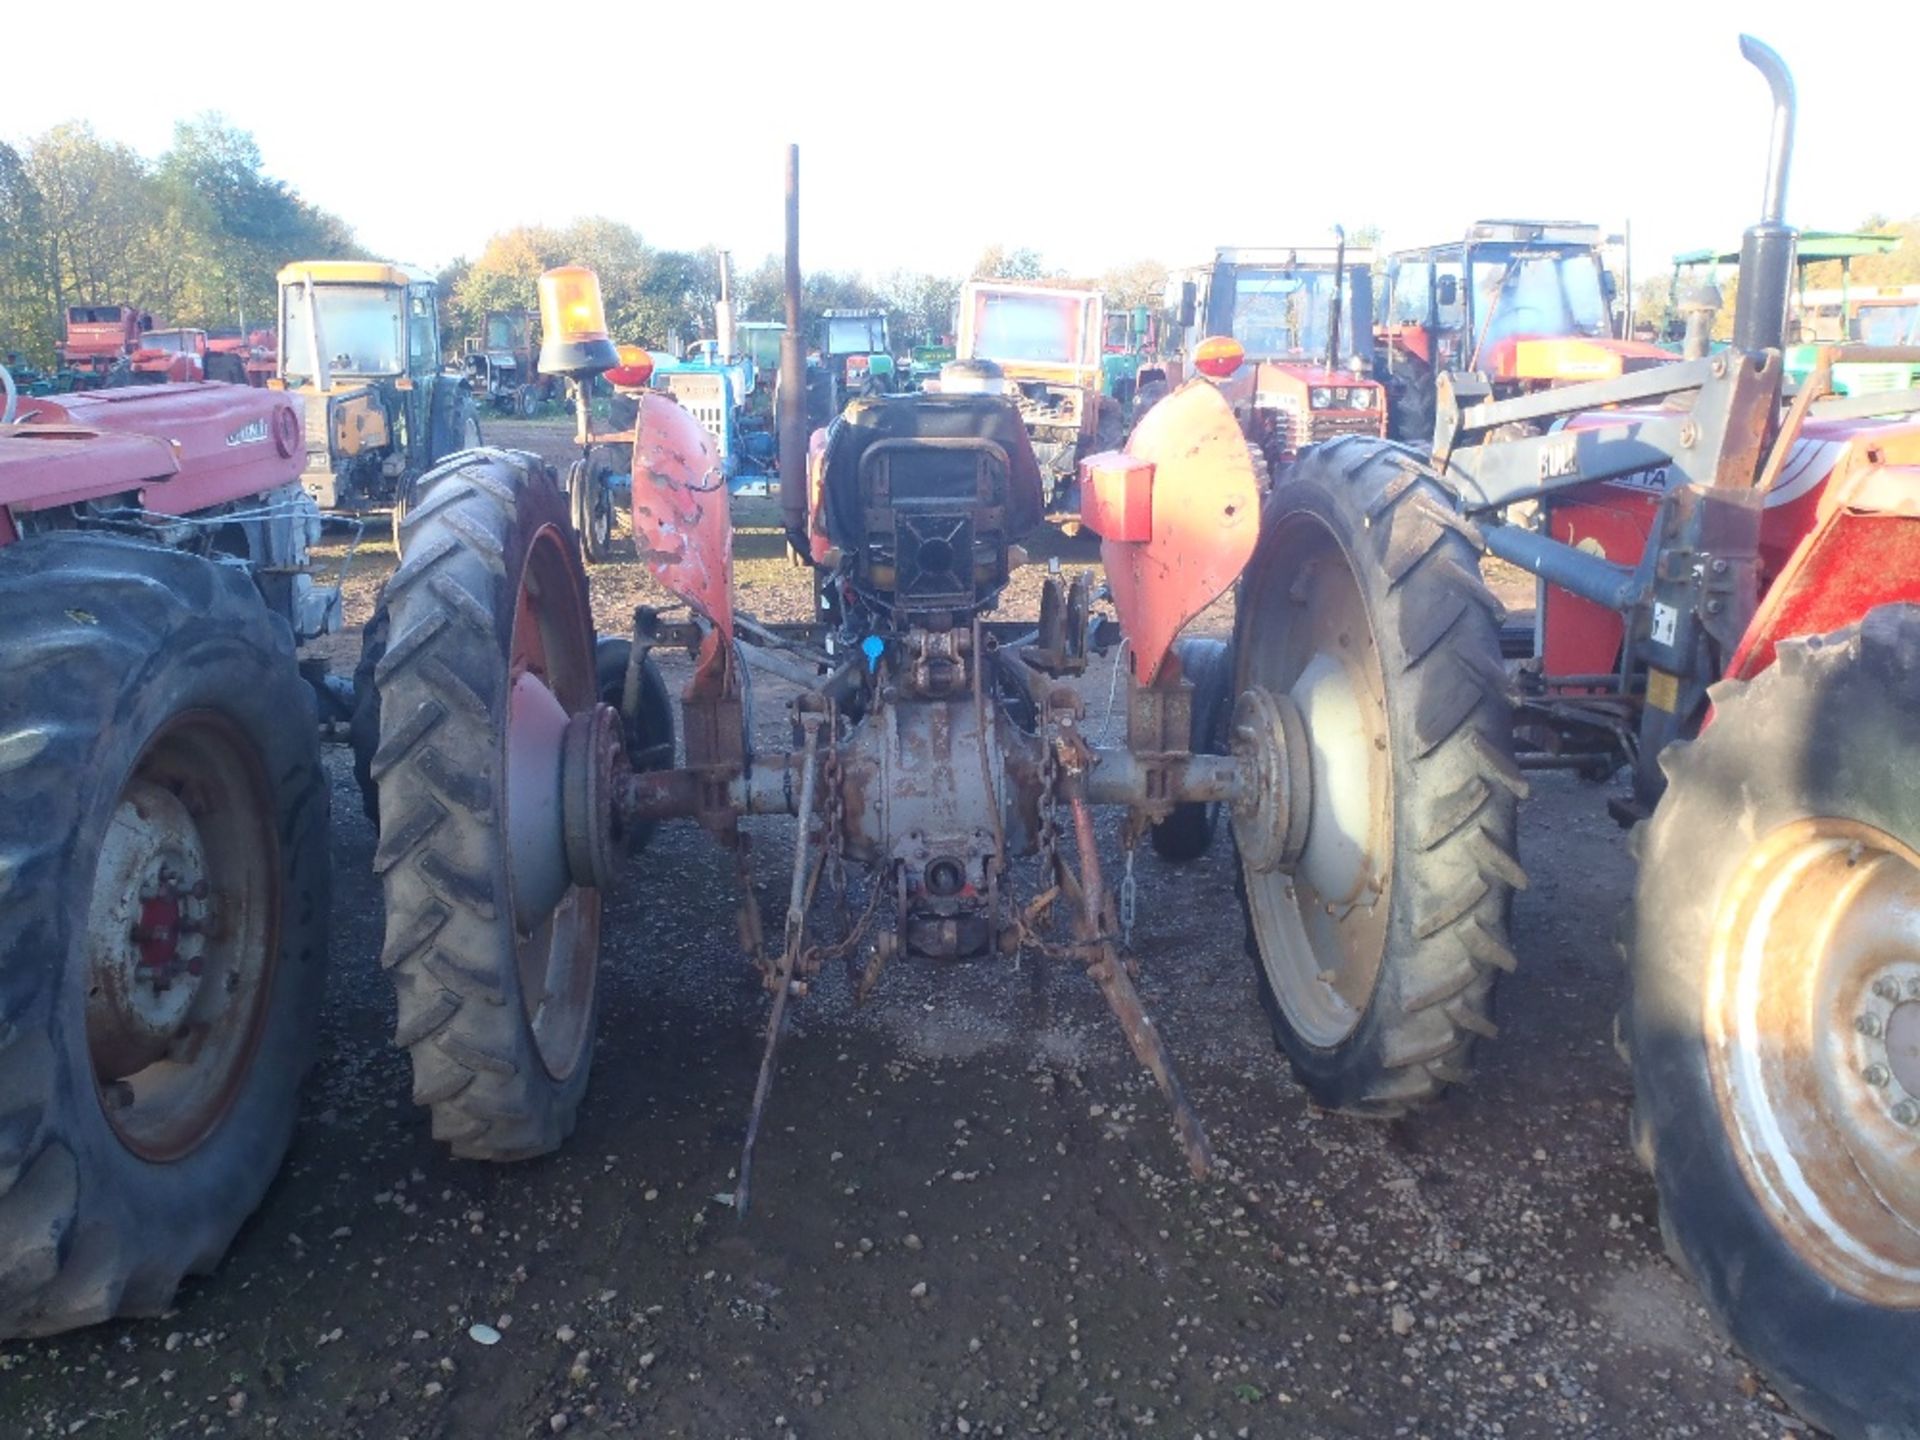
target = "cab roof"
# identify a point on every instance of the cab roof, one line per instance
(1810, 248)
(1305, 257)
(350, 272)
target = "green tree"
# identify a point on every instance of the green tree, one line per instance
(1144, 282)
(997, 262)
(28, 314)
(99, 211)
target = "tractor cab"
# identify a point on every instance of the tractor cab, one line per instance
(1302, 317)
(1848, 313)
(361, 339)
(850, 336)
(1047, 341)
(499, 364)
(99, 338)
(1521, 304)
(164, 356)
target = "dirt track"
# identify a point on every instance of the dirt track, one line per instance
(970, 1216)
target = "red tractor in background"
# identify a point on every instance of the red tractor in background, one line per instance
(1516, 306)
(99, 338)
(1303, 317)
(163, 834)
(176, 356)
(254, 349)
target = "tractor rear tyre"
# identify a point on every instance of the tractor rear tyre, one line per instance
(1187, 833)
(526, 402)
(590, 500)
(490, 649)
(163, 936)
(1378, 866)
(1774, 1023)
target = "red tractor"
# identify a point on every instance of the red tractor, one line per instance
(1303, 317)
(99, 338)
(254, 349)
(1515, 307)
(178, 355)
(163, 834)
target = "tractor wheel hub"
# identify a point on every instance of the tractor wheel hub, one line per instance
(1270, 820)
(145, 930)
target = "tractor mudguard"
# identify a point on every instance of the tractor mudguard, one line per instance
(1863, 551)
(1178, 513)
(682, 526)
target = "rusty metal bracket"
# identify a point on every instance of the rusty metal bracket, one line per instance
(1160, 734)
(1094, 925)
(799, 894)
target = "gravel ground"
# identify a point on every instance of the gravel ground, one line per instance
(970, 1216)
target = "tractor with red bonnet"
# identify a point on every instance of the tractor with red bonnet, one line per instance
(175, 356)
(163, 834)
(1287, 334)
(1513, 308)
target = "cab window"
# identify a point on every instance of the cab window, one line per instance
(1411, 295)
(1454, 316)
(423, 331)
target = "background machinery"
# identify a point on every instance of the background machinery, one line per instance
(500, 365)
(99, 338)
(1302, 317)
(360, 342)
(1047, 341)
(1516, 306)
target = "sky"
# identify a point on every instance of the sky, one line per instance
(1094, 133)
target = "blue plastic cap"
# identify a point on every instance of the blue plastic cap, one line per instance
(873, 647)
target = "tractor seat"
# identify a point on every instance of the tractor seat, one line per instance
(951, 425)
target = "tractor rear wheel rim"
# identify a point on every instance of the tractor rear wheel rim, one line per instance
(183, 927)
(1813, 1039)
(555, 951)
(1322, 923)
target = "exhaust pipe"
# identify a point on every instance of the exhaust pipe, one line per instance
(1767, 249)
(792, 419)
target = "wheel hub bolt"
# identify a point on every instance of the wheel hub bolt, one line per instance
(1876, 1075)
(1887, 989)
(1907, 1113)
(1868, 1025)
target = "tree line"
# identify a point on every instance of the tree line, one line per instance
(195, 237)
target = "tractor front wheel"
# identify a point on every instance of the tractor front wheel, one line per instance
(1774, 1024)
(491, 947)
(1378, 856)
(590, 498)
(163, 861)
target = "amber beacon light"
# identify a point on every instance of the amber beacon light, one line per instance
(573, 323)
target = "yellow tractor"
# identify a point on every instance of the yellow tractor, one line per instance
(361, 341)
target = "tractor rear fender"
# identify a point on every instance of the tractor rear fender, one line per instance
(1863, 551)
(682, 526)
(1178, 513)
